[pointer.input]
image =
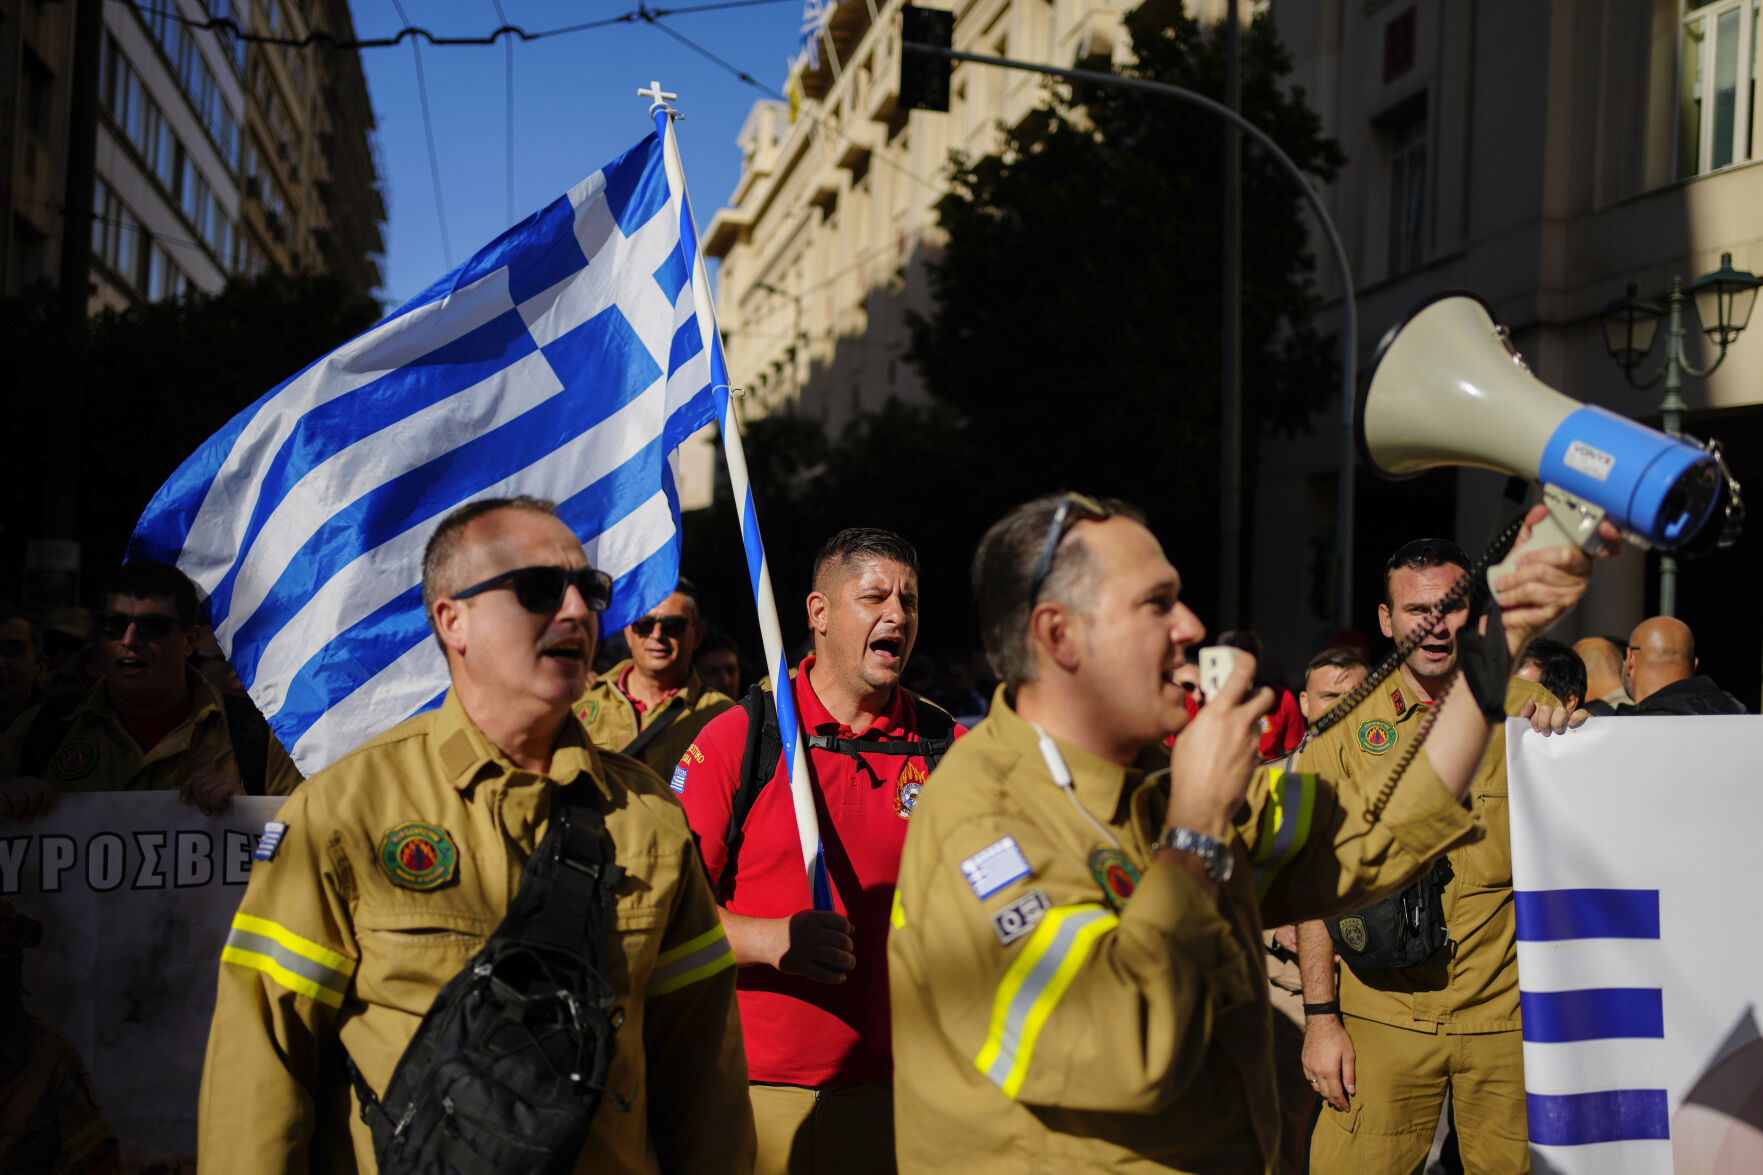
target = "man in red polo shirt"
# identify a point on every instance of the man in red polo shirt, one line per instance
(813, 985)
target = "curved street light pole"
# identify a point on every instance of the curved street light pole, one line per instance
(1349, 316)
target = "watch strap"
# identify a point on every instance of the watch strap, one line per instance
(1331, 1008)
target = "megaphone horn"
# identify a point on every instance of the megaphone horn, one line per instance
(1448, 388)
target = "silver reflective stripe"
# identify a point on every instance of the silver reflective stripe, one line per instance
(269, 948)
(1034, 986)
(690, 962)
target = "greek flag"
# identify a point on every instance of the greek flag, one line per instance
(1640, 975)
(815, 14)
(565, 360)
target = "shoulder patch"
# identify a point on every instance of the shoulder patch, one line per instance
(270, 841)
(1376, 735)
(419, 856)
(1398, 701)
(994, 867)
(1020, 916)
(1114, 873)
(588, 711)
(678, 782)
(77, 759)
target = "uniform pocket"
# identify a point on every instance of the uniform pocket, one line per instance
(1487, 864)
(409, 955)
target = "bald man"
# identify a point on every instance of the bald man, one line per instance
(1603, 656)
(1660, 673)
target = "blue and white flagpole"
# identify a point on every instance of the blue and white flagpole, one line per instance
(758, 573)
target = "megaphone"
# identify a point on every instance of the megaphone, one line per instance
(1448, 388)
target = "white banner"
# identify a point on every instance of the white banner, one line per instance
(135, 892)
(1635, 853)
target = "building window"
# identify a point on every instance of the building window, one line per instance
(1717, 85)
(1404, 138)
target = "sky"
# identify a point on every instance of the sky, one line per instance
(575, 109)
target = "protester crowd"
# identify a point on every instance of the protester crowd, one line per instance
(1064, 966)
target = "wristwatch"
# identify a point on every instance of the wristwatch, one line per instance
(1214, 854)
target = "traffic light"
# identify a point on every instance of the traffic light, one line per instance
(924, 77)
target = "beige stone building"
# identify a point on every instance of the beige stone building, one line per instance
(1543, 155)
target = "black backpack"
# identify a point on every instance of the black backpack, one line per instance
(1403, 930)
(509, 1064)
(245, 726)
(765, 747)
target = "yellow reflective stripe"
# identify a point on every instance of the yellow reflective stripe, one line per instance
(298, 964)
(1033, 986)
(303, 947)
(1285, 825)
(692, 961)
(897, 913)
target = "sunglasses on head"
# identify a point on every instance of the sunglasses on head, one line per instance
(541, 589)
(672, 627)
(1086, 509)
(154, 626)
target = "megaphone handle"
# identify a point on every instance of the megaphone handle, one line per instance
(1571, 522)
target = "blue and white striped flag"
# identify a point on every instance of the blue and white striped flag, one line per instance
(565, 360)
(815, 14)
(1640, 973)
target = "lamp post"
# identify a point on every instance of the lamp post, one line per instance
(1723, 301)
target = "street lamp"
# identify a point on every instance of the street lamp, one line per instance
(1723, 301)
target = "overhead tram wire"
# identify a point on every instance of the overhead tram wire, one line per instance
(503, 17)
(428, 129)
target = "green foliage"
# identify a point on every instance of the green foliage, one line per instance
(153, 382)
(1078, 310)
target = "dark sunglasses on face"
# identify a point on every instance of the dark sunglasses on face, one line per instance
(672, 627)
(153, 626)
(541, 589)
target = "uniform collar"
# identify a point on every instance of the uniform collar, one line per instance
(689, 691)
(468, 755)
(1104, 787)
(890, 723)
(204, 698)
(1401, 699)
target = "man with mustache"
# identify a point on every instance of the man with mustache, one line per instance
(814, 983)
(1385, 1051)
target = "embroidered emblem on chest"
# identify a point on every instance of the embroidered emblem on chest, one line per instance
(911, 784)
(1376, 736)
(76, 761)
(587, 712)
(1117, 876)
(419, 856)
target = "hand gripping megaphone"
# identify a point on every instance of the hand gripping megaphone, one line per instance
(1448, 388)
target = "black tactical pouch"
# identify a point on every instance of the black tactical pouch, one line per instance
(508, 1066)
(1403, 930)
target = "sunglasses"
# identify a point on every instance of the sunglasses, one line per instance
(672, 627)
(541, 589)
(1087, 509)
(153, 626)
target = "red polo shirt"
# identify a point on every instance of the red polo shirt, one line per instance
(799, 1032)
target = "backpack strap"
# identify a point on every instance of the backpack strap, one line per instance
(250, 736)
(54, 719)
(764, 750)
(667, 718)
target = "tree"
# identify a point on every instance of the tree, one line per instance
(1077, 315)
(155, 380)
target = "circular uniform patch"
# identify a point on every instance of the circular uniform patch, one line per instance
(418, 856)
(1376, 736)
(588, 712)
(912, 778)
(1353, 932)
(76, 760)
(1114, 873)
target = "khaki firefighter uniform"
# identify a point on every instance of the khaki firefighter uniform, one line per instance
(97, 754)
(395, 865)
(1453, 1019)
(49, 1120)
(612, 720)
(1061, 1004)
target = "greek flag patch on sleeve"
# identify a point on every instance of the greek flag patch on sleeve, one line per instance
(678, 782)
(994, 867)
(269, 842)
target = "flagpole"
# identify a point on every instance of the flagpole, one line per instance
(758, 571)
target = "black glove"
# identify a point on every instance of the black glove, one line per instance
(1485, 663)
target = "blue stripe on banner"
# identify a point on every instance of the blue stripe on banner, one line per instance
(554, 255)
(1611, 1115)
(333, 426)
(636, 185)
(750, 540)
(688, 340)
(349, 659)
(453, 478)
(673, 275)
(1601, 1013)
(688, 418)
(1553, 915)
(165, 524)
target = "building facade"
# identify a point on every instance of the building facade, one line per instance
(212, 155)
